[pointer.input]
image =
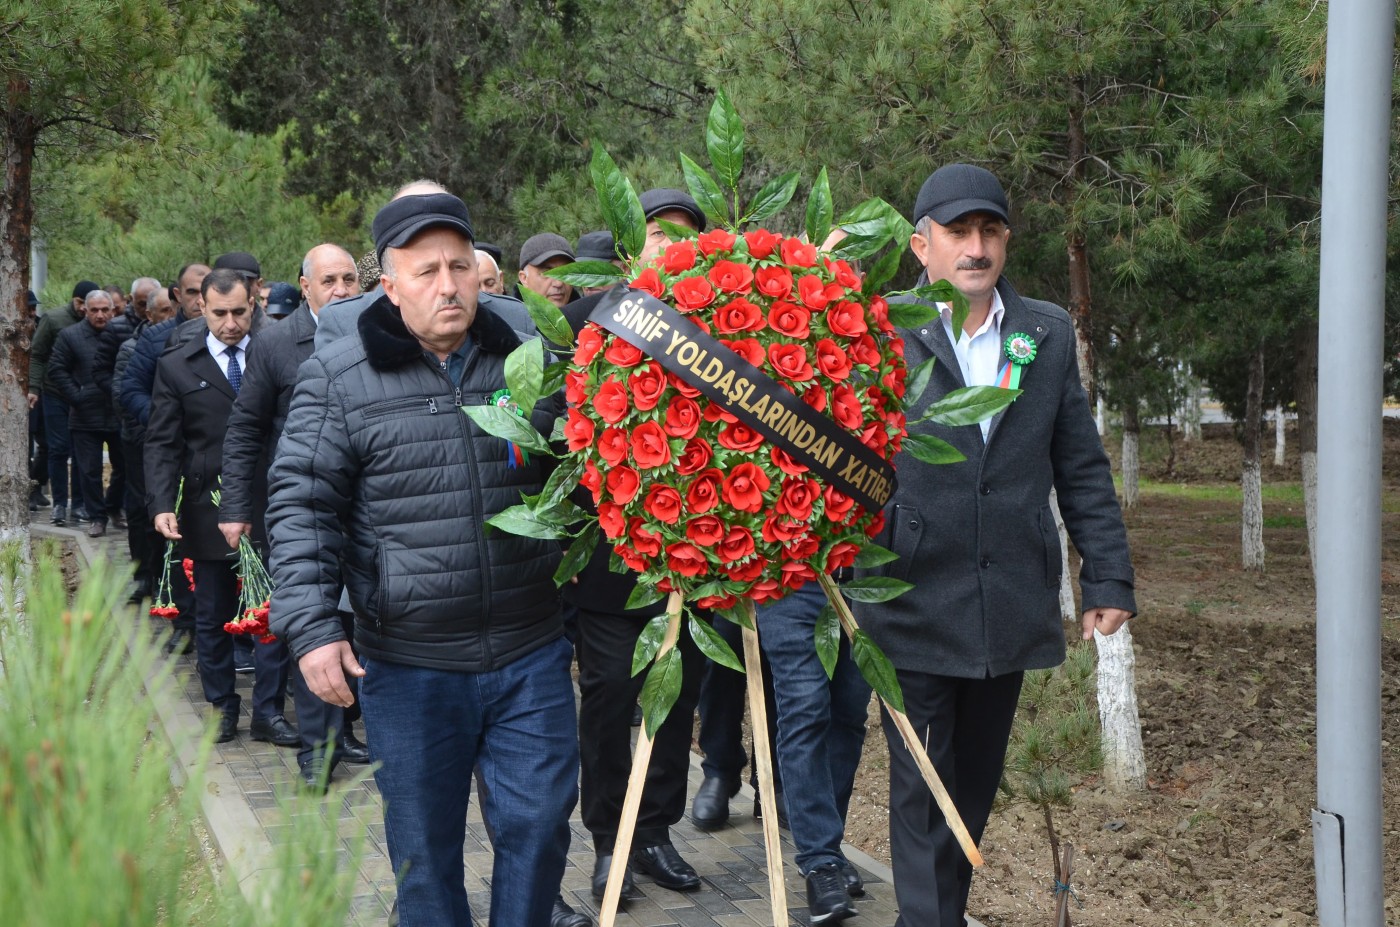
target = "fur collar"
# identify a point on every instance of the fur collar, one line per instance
(388, 343)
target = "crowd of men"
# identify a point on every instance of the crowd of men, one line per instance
(324, 416)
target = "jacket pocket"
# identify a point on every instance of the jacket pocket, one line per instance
(388, 407)
(906, 530)
(1050, 539)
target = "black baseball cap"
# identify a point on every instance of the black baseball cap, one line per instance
(282, 300)
(955, 190)
(402, 219)
(494, 250)
(540, 248)
(83, 288)
(241, 261)
(30, 299)
(596, 246)
(662, 199)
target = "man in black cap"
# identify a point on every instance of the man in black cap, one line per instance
(42, 392)
(283, 299)
(541, 253)
(598, 246)
(383, 486)
(978, 541)
(248, 267)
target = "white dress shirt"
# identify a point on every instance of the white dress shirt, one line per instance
(220, 352)
(979, 355)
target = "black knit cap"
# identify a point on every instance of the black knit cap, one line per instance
(955, 190)
(596, 246)
(662, 199)
(402, 219)
(83, 288)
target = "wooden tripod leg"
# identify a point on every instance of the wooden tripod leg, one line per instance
(641, 760)
(763, 764)
(911, 738)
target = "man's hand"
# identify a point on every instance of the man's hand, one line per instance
(233, 530)
(168, 526)
(33, 401)
(324, 670)
(1103, 620)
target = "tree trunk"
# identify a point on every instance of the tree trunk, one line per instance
(1305, 387)
(16, 318)
(1251, 482)
(1191, 409)
(1068, 612)
(1132, 430)
(1278, 435)
(1124, 762)
(1100, 417)
(1077, 247)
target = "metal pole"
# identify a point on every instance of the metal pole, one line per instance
(1355, 152)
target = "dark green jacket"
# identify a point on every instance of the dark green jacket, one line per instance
(41, 348)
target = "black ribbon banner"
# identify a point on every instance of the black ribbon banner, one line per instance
(748, 394)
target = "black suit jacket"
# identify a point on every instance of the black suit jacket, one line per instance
(190, 407)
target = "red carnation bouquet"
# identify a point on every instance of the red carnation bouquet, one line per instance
(163, 604)
(254, 591)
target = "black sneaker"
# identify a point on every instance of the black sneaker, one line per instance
(58, 518)
(827, 901)
(37, 500)
(80, 516)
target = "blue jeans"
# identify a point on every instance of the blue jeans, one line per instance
(428, 729)
(821, 725)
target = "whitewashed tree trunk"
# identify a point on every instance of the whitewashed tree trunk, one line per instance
(1251, 481)
(1278, 436)
(1099, 418)
(1305, 386)
(1310, 503)
(1132, 430)
(1191, 408)
(1068, 611)
(1124, 762)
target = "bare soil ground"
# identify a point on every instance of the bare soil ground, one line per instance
(1226, 692)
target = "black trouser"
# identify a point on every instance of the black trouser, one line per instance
(723, 695)
(966, 724)
(142, 539)
(87, 451)
(319, 722)
(38, 446)
(609, 693)
(216, 602)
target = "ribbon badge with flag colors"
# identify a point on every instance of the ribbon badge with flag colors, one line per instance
(516, 456)
(1020, 351)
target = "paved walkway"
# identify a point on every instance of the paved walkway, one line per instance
(244, 777)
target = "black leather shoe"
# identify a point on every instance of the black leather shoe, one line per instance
(314, 778)
(565, 916)
(351, 750)
(782, 810)
(601, 865)
(827, 901)
(275, 730)
(58, 520)
(710, 809)
(141, 590)
(228, 726)
(665, 865)
(180, 641)
(855, 885)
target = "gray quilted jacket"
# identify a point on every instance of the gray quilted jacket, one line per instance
(382, 482)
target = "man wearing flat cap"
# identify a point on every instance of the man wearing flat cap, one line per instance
(597, 246)
(542, 253)
(381, 484)
(978, 538)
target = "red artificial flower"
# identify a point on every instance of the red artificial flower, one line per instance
(592, 479)
(797, 573)
(876, 526)
(797, 497)
(798, 253)
(717, 602)
(611, 519)
(803, 548)
(622, 353)
(682, 387)
(716, 240)
(650, 447)
(761, 243)
(575, 387)
(815, 397)
(678, 257)
(832, 361)
(811, 292)
(838, 504)
(790, 319)
(692, 293)
(686, 559)
(784, 462)
(623, 484)
(774, 282)
(744, 487)
(747, 348)
(845, 276)
(738, 315)
(634, 560)
(663, 503)
(682, 419)
(590, 342)
(865, 351)
(766, 591)
(740, 437)
(647, 385)
(610, 402)
(747, 572)
(874, 437)
(791, 361)
(842, 554)
(645, 541)
(704, 492)
(649, 281)
(612, 446)
(846, 319)
(578, 430)
(778, 530)
(845, 407)
(695, 457)
(706, 530)
(736, 545)
(731, 276)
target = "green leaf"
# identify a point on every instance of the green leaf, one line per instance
(562, 481)
(643, 594)
(556, 434)
(548, 319)
(676, 231)
(621, 208)
(917, 382)
(912, 315)
(819, 210)
(873, 555)
(932, 450)
(553, 382)
(888, 219)
(828, 638)
(507, 425)
(563, 514)
(705, 190)
(712, 645)
(736, 615)
(588, 273)
(883, 271)
(579, 553)
(648, 643)
(774, 195)
(877, 670)
(660, 690)
(969, 405)
(525, 521)
(875, 589)
(525, 375)
(941, 291)
(724, 140)
(859, 247)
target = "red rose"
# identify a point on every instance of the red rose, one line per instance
(747, 348)
(663, 503)
(893, 380)
(797, 573)
(846, 319)
(650, 447)
(744, 487)
(707, 530)
(765, 591)
(731, 276)
(623, 483)
(646, 542)
(612, 446)
(796, 498)
(703, 494)
(879, 309)
(815, 397)
(716, 240)
(695, 457)
(702, 325)
(649, 281)
(716, 602)
(682, 387)
(740, 437)
(865, 351)
(845, 276)
(845, 408)
(678, 257)
(761, 243)
(876, 526)
(590, 342)
(623, 354)
(714, 412)
(592, 480)
(897, 346)
(610, 401)
(838, 504)
(692, 293)
(790, 319)
(647, 386)
(634, 560)
(775, 282)
(784, 462)
(747, 572)
(790, 360)
(832, 361)
(798, 253)
(578, 430)
(738, 315)
(875, 437)
(686, 559)
(682, 418)
(576, 387)
(736, 545)
(611, 519)
(842, 554)
(811, 292)
(782, 530)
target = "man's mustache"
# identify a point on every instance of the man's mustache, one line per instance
(975, 264)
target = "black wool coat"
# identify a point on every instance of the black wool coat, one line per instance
(76, 375)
